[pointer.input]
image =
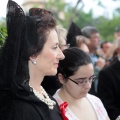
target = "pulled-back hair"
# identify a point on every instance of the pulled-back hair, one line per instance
(74, 59)
(43, 21)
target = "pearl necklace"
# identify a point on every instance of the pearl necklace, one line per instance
(43, 96)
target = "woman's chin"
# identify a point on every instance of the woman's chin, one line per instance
(53, 73)
(84, 94)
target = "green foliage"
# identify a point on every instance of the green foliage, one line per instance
(70, 13)
(3, 32)
(83, 19)
(58, 9)
(107, 27)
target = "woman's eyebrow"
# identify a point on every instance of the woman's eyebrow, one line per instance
(84, 77)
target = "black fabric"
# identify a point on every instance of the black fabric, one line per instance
(73, 31)
(51, 84)
(109, 89)
(26, 106)
(8, 61)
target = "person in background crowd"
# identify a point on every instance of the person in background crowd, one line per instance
(31, 52)
(98, 62)
(62, 33)
(111, 54)
(117, 32)
(105, 46)
(109, 87)
(76, 74)
(80, 42)
(103, 51)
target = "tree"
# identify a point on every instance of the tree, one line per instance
(84, 19)
(58, 9)
(63, 12)
(3, 32)
(107, 27)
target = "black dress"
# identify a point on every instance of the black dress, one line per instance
(25, 106)
(51, 84)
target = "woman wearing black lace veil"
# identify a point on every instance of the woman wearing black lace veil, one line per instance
(30, 52)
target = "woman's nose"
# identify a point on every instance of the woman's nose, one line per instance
(87, 85)
(61, 55)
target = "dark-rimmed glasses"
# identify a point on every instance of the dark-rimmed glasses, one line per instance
(66, 45)
(83, 81)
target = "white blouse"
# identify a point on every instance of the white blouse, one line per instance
(95, 102)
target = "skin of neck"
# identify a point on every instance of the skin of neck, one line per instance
(36, 77)
(65, 96)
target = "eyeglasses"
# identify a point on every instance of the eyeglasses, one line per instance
(83, 81)
(67, 45)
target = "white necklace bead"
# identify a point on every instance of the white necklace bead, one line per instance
(43, 96)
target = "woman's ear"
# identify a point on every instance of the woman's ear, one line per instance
(32, 59)
(61, 78)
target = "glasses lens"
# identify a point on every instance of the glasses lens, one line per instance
(90, 80)
(82, 82)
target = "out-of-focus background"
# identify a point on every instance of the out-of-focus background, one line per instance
(103, 14)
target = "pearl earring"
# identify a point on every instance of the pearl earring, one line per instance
(34, 62)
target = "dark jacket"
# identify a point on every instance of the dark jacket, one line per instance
(109, 89)
(25, 106)
(51, 84)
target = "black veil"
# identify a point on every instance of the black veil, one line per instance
(9, 58)
(73, 31)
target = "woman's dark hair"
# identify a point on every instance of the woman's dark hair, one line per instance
(43, 21)
(37, 28)
(74, 58)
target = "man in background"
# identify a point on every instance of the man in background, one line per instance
(109, 87)
(105, 46)
(98, 62)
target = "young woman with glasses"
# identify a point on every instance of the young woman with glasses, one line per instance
(76, 74)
